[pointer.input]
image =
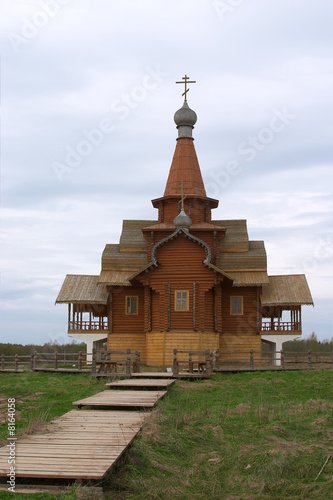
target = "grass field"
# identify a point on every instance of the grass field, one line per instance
(41, 396)
(236, 436)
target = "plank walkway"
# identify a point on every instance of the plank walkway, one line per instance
(146, 383)
(85, 444)
(134, 399)
(152, 375)
(77, 445)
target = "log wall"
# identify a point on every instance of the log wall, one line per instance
(240, 325)
(123, 341)
(160, 345)
(121, 322)
(239, 343)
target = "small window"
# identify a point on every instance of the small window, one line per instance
(181, 300)
(236, 305)
(131, 305)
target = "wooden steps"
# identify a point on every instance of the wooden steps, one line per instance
(135, 399)
(152, 375)
(85, 444)
(78, 445)
(146, 383)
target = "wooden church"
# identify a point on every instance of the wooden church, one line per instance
(184, 280)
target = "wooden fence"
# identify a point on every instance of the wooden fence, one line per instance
(283, 360)
(115, 363)
(196, 364)
(41, 361)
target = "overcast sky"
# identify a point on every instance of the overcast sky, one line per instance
(88, 96)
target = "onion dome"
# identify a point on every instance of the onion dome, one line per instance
(185, 119)
(182, 220)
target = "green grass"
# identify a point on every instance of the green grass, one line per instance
(42, 396)
(235, 436)
(251, 435)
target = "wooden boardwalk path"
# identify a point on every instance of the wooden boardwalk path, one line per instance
(145, 383)
(78, 445)
(85, 444)
(152, 375)
(135, 399)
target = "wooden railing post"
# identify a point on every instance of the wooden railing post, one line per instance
(251, 359)
(206, 352)
(282, 359)
(56, 360)
(128, 363)
(3, 365)
(211, 363)
(309, 360)
(35, 360)
(137, 362)
(190, 363)
(175, 363)
(16, 361)
(80, 361)
(93, 362)
(217, 359)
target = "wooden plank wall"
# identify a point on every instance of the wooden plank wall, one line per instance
(122, 323)
(160, 345)
(239, 325)
(195, 208)
(123, 341)
(239, 343)
(181, 266)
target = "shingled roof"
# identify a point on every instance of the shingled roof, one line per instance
(78, 288)
(287, 290)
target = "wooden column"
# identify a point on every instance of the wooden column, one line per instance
(258, 318)
(69, 315)
(147, 304)
(109, 310)
(216, 318)
(217, 291)
(214, 249)
(194, 308)
(169, 308)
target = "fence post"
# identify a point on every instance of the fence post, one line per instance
(190, 363)
(35, 360)
(211, 363)
(56, 360)
(175, 364)
(309, 360)
(16, 361)
(137, 362)
(217, 359)
(207, 358)
(282, 359)
(93, 362)
(251, 359)
(3, 362)
(80, 361)
(128, 364)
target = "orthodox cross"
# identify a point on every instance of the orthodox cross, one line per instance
(186, 81)
(182, 193)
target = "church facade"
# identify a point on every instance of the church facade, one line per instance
(184, 280)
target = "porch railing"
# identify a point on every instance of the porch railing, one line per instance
(88, 325)
(281, 326)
